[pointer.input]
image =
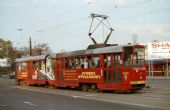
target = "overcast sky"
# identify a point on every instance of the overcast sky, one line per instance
(64, 24)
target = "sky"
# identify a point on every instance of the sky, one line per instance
(64, 24)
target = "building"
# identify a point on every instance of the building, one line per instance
(5, 66)
(158, 58)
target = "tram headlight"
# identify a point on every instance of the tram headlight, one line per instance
(125, 77)
(140, 77)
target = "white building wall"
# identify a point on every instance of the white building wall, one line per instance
(4, 63)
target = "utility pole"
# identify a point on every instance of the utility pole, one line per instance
(30, 45)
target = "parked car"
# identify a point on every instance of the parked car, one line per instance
(12, 75)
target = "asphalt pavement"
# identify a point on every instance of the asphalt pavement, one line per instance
(14, 97)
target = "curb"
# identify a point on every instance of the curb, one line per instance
(158, 77)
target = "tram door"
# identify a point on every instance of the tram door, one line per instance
(60, 71)
(117, 64)
(112, 68)
(107, 68)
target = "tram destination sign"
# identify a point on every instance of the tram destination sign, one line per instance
(159, 50)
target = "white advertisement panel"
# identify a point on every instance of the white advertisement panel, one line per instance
(159, 50)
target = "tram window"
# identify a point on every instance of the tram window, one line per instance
(24, 66)
(85, 63)
(35, 65)
(128, 56)
(81, 62)
(119, 60)
(138, 59)
(95, 61)
(66, 64)
(70, 63)
(107, 61)
(114, 60)
(18, 67)
(89, 60)
(78, 65)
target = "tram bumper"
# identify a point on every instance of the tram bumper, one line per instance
(136, 85)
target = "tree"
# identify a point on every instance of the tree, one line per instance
(6, 49)
(41, 49)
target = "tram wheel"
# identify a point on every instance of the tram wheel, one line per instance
(119, 92)
(84, 87)
(46, 85)
(23, 83)
(93, 86)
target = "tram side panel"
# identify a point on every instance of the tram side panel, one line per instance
(50, 71)
(38, 73)
(21, 73)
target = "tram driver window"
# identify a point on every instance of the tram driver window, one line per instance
(128, 56)
(138, 57)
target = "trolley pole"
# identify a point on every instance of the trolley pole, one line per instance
(30, 45)
(167, 71)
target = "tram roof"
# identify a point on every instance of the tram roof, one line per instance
(110, 49)
(31, 58)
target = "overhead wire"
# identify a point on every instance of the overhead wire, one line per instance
(129, 6)
(64, 24)
(145, 13)
(75, 9)
(57, 16)
(142, 14)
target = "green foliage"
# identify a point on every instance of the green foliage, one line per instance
(8, 51)
(5, 48)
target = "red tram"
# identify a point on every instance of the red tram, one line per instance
(117, 68)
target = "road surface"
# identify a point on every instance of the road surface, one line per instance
(13, 97)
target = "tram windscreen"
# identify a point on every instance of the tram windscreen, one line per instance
(128, 52)
(138, 58)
